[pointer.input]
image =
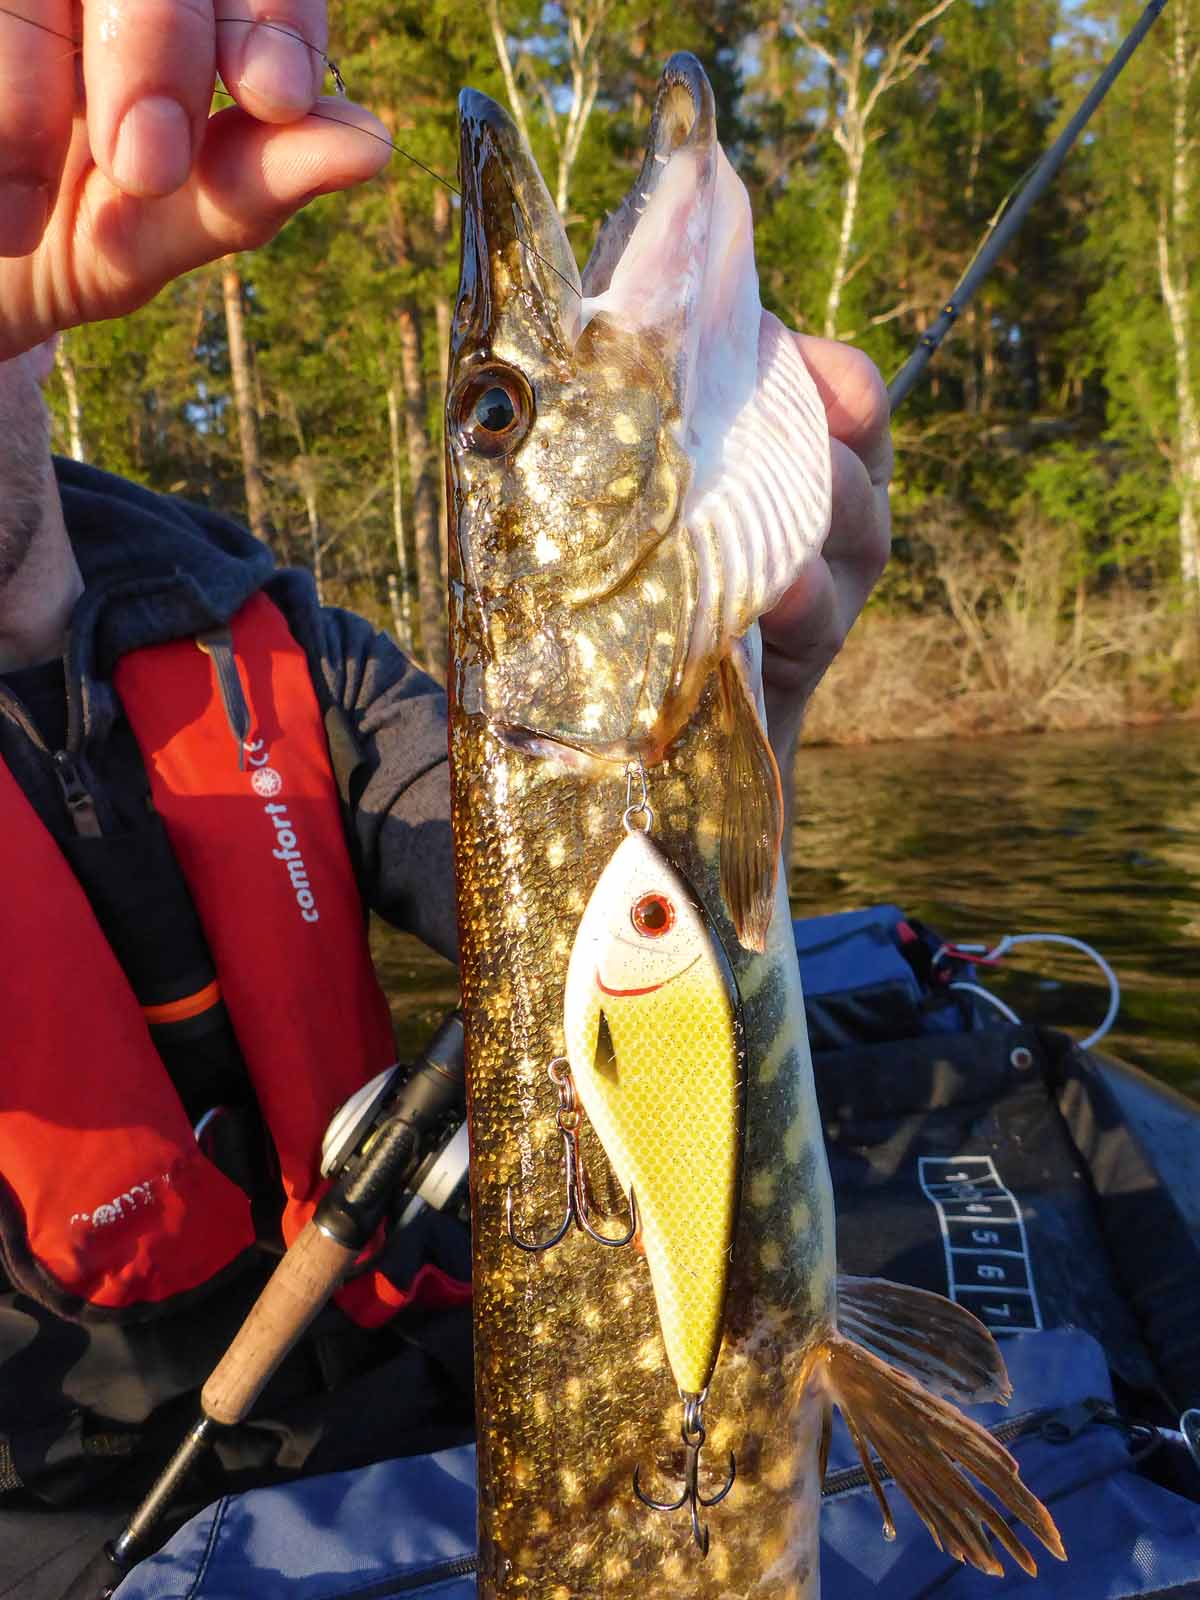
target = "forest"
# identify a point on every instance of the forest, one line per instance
(1046, 560)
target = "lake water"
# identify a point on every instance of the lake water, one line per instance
(1095, 835)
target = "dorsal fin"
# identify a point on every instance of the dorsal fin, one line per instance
(752, 822)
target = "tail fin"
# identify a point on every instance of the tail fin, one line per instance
(920, 1439)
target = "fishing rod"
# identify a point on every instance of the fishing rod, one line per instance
(1001, 234)
(395, 1147)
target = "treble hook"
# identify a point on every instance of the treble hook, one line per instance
(569, 1117)
(693, 1435)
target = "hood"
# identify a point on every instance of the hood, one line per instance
(154, 568)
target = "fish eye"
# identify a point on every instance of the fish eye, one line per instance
(653, 915)
(492, 410)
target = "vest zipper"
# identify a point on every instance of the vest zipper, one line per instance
(79, 800)
(77, 795)
(15, 712)
(408, 1582)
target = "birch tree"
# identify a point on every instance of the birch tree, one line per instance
(244, 400)
(66, 366)
(1175, 240)
(1146, 314)
(862, 64)
(581, 25)
(399, 590)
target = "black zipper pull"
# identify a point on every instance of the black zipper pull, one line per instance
(77, 795)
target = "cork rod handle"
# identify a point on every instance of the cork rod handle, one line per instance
(294, 1294)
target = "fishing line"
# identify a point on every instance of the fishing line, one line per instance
(253, 22)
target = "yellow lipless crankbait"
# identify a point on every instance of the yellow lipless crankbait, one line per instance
(654, 1043)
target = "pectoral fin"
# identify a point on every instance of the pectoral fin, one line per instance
(752, 824)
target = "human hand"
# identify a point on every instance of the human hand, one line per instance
(808, 627)
(115, 178)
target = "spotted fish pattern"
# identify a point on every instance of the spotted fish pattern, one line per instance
(575, 1385)
(586, 449)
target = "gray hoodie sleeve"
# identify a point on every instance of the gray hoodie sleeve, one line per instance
(402, 792)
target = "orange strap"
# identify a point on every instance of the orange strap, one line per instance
(192, 1005)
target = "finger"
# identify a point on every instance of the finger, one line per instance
(250, 177)
(859, 539)
(270, 54)
(855, 399)
(809, 625)
(148, 67)
(37, 101)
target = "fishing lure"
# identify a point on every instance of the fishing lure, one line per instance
(656, 1059)
(654, 1036)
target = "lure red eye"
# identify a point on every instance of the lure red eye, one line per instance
(653, 915)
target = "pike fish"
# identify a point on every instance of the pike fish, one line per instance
(638, 468)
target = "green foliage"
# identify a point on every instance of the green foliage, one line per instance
(1054, 406)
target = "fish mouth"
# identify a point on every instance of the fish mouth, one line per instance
(513, 242)
(684, 114)
(503, 189)
(649, 988)
(559, 751)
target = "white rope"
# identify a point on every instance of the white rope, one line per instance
(977, 988)
(1010, 940)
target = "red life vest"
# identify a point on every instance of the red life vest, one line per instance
(118, 1210)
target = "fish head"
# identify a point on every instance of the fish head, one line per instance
(585, 415)
(566, 476)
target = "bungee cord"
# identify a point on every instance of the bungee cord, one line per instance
(989, 957)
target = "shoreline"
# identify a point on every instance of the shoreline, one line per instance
(912, 679)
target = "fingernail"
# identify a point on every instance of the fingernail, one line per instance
(278, 68)
(154, 147)
(23, 209)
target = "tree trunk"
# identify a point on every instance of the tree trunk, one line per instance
(398, 601)
(243, 399)
(66, 368)
(306, 477)
(442, 232)
(308, 488)
(399, 584)
(422, 468)
(855, 155)
(583, 24)
(1175, 281)
(892, 62)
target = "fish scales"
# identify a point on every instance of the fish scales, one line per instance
(577, 1327)
(618, 523)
